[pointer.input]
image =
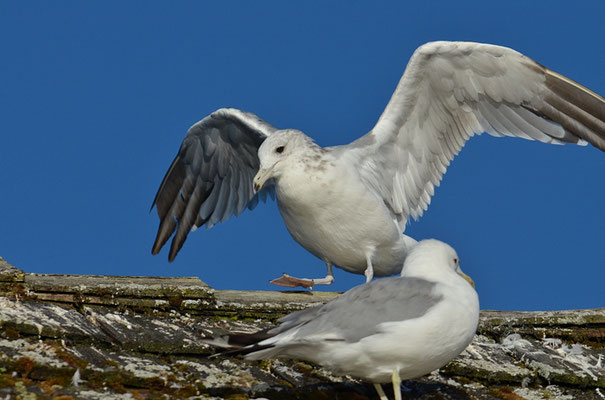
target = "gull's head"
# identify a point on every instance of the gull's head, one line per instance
(434, 260)
(275, 152)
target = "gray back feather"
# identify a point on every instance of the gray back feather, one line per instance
(357, 313)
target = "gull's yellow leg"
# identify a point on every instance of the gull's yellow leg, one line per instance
(380, 392)
(396, 384)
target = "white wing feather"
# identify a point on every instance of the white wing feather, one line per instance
(453, 90)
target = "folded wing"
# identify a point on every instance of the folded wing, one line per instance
(210, 179)
(353, 316)
(357, 314)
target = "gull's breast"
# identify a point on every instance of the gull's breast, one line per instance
(333, 215)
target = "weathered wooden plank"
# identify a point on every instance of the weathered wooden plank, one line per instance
(139, 286)
(140, 337)
(8, 273)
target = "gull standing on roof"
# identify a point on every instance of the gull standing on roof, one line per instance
(348, 205)
(386, 330)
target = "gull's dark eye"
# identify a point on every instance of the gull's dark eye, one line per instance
(456, 260)
(280, 149)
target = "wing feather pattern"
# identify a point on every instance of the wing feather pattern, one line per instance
(210, 179)
(451, 91)
(339, 319)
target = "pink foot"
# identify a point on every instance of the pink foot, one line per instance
(290, 281)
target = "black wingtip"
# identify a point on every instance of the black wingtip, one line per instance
(241, 352)
(165, 230)
(241, 343)
(583, 111)
(163, 201)
(242, 340)
(173, 179)
(175, 246)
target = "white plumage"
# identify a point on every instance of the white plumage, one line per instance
(348, 205)
(388, 329)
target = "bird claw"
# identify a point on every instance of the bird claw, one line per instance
(292, 282)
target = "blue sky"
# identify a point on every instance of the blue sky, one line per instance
(95, 98)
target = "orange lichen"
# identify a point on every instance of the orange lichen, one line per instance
(505, 393)
(24, 366)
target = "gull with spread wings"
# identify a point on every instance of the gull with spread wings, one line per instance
(348, 205)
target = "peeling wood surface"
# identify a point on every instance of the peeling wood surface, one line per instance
(8, 273)
(97, 337)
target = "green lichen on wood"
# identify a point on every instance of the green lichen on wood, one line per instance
(168, 320)
(574, 326)
(6, 380)
(501, 376)
(9, 273)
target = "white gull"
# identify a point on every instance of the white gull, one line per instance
(348, 205)
(385, 330)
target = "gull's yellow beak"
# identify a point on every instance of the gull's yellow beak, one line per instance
(261, 177)
(466, 278)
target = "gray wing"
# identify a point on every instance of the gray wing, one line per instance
(359, 312)
(210, 179)
(453, 90)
